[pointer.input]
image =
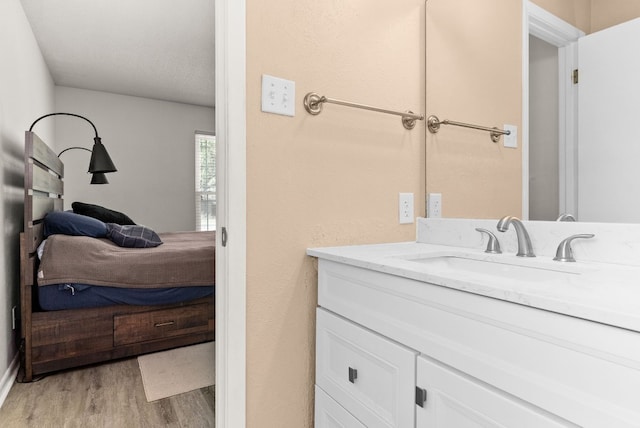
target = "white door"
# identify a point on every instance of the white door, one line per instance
(453, 399)
(609, 125)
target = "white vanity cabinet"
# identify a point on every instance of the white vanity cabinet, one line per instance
(482, 361)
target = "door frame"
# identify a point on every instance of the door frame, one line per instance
(542, 24)
(230, 302)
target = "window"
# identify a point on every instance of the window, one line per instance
(205, 181)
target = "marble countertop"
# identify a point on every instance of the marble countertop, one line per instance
(601, 292)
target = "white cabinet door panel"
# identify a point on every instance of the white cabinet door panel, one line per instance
(457, 400)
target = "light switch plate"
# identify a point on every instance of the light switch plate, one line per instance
(278, 95)
(511, 140)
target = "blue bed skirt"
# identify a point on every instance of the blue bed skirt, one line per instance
(75, 296)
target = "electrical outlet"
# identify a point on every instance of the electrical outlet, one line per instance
(434, 206)
(405, 207)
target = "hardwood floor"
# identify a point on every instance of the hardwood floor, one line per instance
(109, 395)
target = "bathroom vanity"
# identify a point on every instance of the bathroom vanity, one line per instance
(438, 333)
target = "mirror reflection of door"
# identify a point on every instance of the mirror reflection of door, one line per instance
(608, 131)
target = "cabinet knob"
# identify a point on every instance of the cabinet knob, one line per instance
(353, 375)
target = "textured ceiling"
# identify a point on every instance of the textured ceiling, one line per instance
(161, 49)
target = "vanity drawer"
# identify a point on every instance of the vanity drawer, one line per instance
(371, 376)
(145, 326)
(329, 414)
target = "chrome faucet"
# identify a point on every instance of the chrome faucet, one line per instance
(525, 249)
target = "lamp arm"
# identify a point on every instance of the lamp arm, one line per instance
(71, 148)
(65, 114)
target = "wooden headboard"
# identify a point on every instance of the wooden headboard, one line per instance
(43, 187)
(43, 192)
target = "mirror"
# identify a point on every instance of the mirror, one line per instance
(474, 74)
(598, 160)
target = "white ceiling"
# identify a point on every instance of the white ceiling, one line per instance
(161, 49)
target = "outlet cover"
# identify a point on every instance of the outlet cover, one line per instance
(511, 140)
(278, 95)
(405, 208)
(434, 205)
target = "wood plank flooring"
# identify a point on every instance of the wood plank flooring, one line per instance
(109, 395)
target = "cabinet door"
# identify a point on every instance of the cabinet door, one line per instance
(457, 400)
(370, 376)
(329, 414)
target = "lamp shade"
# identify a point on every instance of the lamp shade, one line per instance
(100, 160)
(99, 178)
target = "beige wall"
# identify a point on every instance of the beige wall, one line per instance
(331, 179)
(334, 179)
(605, 13)
(474, 75)
(575, 12)
(592, 15)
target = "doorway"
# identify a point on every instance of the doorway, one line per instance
(550, 35)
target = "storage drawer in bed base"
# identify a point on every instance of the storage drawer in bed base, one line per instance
(152, 325)
(65, 339)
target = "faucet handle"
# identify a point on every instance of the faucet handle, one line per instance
(564, 253)
(493, 246)
(566, 217)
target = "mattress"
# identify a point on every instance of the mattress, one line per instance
(184, 259)
(75, 296)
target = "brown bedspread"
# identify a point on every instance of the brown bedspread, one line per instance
(184, 259)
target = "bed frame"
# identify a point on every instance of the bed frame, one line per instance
(56, 340)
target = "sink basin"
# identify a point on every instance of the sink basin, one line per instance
(452, 264)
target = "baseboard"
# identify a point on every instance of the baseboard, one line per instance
(9, 376)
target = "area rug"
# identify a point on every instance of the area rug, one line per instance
(177, 370)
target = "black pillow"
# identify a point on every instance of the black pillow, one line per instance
(101, 213)
(132, 236)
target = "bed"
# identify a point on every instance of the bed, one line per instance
(72, 317)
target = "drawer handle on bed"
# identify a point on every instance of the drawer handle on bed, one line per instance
(163, 324)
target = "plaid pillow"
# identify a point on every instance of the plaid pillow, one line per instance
(132, 236)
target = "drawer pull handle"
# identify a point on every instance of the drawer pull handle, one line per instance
(163, 324)
(421, 396)
(353, 375)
